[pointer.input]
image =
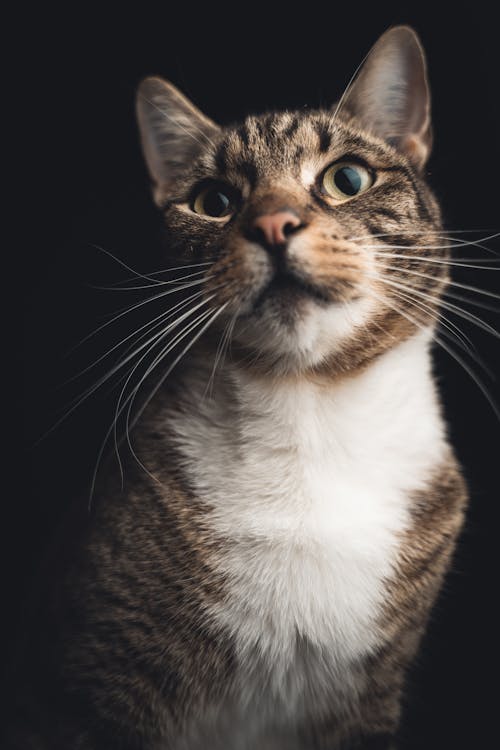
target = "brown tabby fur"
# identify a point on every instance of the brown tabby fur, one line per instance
(126, 659)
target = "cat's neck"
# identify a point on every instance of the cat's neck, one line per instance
(391, 403)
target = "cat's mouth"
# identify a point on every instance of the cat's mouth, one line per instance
(289, 288)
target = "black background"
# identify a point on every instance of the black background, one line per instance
(85, 185)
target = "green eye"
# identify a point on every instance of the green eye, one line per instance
(346, 179)
(216, 201)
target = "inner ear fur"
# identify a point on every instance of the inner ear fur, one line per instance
(390, 95)
(173, 132)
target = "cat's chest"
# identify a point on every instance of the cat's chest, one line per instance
(310, 539)
(309, 493)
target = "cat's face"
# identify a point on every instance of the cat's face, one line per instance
(304, 220)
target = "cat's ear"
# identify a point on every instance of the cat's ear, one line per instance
(173, 132)
(390, 95)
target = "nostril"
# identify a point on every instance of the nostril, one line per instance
(274, 229)
(258, 235)
(290, 227)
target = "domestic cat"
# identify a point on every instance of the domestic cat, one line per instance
(290, 503)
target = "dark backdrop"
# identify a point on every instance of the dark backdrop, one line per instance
(85, 185)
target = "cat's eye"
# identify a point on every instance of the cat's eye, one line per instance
(216, 201)
(346, 179)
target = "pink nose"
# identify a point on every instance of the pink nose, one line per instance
(276, 228)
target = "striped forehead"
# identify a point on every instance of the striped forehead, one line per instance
(270, 145)
(275, 144)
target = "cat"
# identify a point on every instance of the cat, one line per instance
(291, 504)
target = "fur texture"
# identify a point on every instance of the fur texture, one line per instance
(265, 575)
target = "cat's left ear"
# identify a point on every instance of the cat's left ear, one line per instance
(390, 96)
(173, 132)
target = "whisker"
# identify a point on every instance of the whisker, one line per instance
(432, 246)
(449, 282)
(179, 124)
(121, 262)
(150, 325)
(450, 351)
(451, 242)
(81, 399)
(169, 282)
(447, 305)
(451, 329)
(348, 88)
(219, 356)
(137, 416)
(157, 340)
(127, 310)
(159, 384)
(459, 262)
(157, 282)
(445, 234)
(152, 298)
(176, 361)
(112, 428)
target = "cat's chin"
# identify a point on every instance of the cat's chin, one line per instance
(298, 331)
(288, 297)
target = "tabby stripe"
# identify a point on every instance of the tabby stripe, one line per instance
(423, 209)
(249, 171)
(375, 229)
(390, 239)
(392, 190)
(325, 137)
(292, 128)
(421, 567)
(357, 143)
(221, 158)
(388, 213)
(397, 168)
(244, 135)
(270, 121)
(397, 239)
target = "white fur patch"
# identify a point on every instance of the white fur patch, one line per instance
(310, 169)
(309, 485)
(316, 334)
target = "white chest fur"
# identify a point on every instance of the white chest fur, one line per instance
(309, 485)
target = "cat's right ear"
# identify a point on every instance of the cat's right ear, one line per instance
(173, 132)
(390, 95)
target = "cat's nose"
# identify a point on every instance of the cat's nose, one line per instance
(274, 229)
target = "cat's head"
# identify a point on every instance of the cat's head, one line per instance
(314, 226)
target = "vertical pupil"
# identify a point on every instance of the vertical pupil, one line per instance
(348, 180)
(216, 203)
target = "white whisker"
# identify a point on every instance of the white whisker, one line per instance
(111, 429)
(458, 262)
(450, 329)
(439, 234)
(169, 282)
(157, 282)
(431, 246)
(220, 354)
(157, 340)
(121, 262)
(447, 305)
(449, 282)
(137, 306)
(150, 325)
(180, 125)
(447, 349)
(128, 426)
(348, 88)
